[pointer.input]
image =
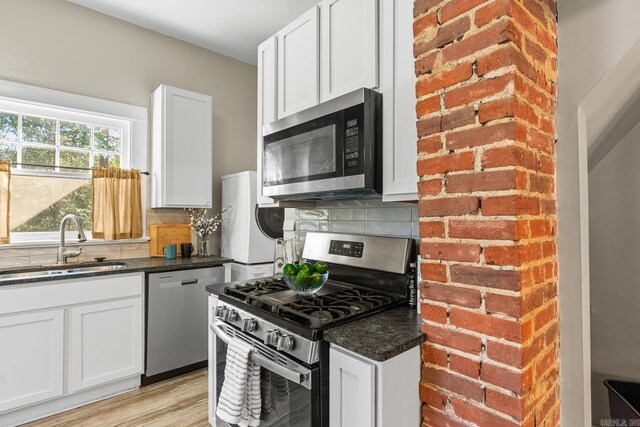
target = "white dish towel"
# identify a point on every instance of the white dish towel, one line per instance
(239, 401)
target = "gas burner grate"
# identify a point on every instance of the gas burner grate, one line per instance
(323, 310)
(250, 292)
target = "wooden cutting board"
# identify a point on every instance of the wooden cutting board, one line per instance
(163, 234)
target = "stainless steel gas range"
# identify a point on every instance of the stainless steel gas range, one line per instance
(367, 274)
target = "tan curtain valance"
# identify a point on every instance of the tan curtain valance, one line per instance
(117, 204)
(5, 197)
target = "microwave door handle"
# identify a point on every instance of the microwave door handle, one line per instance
(304, 379)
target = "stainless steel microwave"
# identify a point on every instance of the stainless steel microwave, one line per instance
(332, 150)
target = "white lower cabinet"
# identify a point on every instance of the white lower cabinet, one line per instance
(69, 342)
(31, 359)
(368, 393)
(106, 342)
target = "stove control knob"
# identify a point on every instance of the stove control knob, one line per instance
(285, 343)
(221, 311)
(249, 325)
(271, 337)
(230, 315)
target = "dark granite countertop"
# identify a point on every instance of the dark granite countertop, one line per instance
(135, 265)
(381, 336)
(217, 288)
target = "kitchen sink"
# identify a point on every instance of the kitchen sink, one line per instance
(60, 271)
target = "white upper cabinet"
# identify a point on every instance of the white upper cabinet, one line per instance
(398, 81)
(267, 107)
(298, 70)
(348, 46)
(182, 169)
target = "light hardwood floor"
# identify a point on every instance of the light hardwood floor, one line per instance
(180, 401)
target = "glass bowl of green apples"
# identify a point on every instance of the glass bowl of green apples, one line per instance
(305, 278)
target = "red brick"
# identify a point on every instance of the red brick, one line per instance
(546, 40)
(513, 255)
(532, 300)
(482, 181)
(429, 126)
(454, 383)
(497, 109)
(456, 8)
(426, 64)
(446, 163)
(453, 295)
(536, 10)
(547, 125)
(430, 187)
(505, 57)
(431, 229)
(525, 112)
(422, 6)
(492, 11)
(428, 106)
(433, 418)
(505, 353)
(483, 135)
(434, 313)
(502, 304)
(484, 88)
(543, 412)
(500, 32)
(548, 207)
(502, 377)
(427, 21)
(551, 336)
(434, 355)
(542, 142)
(452, 338)
(444, 78)
(458, 118)
(482, 323)
(547, 165)
(430, 145)
(507, 404)
(479, 415)
(486, 277)
(464, 366)
(537, 97)
(431, 396)
(533, 350)
(511, 155)
(544, 316)
(434, 272)
(446, 34)
(543, 364)
(510, 205)
(465, 252)
(494, 230)
(448, 207)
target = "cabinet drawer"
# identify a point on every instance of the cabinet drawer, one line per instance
(41, 295)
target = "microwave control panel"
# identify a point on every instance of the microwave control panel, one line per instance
(352, 140)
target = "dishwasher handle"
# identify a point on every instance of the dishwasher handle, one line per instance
(189, 282)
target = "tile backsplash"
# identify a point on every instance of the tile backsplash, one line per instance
(360, 216)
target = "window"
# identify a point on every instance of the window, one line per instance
(45, 144)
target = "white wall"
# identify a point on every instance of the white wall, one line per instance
(59, 45)
(593, 36)
(614, 233)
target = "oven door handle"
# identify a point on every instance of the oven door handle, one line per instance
(301, 378)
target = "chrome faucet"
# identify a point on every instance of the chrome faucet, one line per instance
(63, 253)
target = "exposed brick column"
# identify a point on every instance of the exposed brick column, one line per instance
(486, 112)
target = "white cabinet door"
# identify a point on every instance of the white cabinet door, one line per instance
(31, 358)
(267, 109)
(399, 102)
(298, 68)
(349, 46)
(106, 342)
(351, 391)
(182, 149)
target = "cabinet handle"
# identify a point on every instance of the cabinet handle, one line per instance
(190, 282)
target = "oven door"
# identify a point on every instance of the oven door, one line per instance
(290, 390)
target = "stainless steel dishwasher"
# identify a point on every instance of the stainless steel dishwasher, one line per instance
(176, 327)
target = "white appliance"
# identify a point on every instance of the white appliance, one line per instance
(242, 239)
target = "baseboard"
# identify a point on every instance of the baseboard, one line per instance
(64, 403)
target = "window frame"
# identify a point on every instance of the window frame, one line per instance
(32, 100)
